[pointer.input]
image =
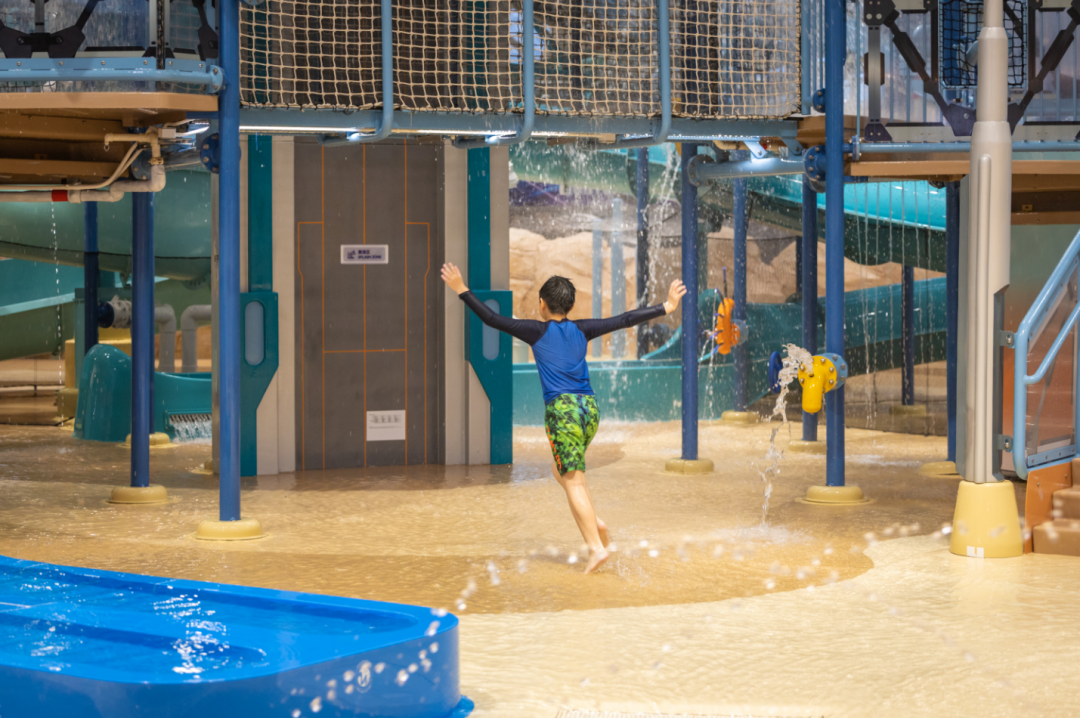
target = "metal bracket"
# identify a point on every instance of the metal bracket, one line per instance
(814, 162)
(1006, 339)
(756, 150)
(1050, 61)
(210, 153)
(819, 100)
(1003, 442)
(960, 118)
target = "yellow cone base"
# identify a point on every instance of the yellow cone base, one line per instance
(939, 468)
(689, 467)
(139, 495)
(205, 469)
(739, 418)
(986, 523)
(906, 410)
(67, 400)
(836, 495)
(158, 438)
(242, 530)
(807, 447)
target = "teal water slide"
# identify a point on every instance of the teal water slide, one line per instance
(43, 249)
(885, 222)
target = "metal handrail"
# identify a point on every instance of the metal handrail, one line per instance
(528, 90)
(663, 129)
(1032, 321)
(385, 124)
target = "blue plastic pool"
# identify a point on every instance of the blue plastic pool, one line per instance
(79, 642)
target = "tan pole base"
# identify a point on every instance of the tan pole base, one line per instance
(945, 469)
(739, 418)
(139, 495)
(986, 523)
(807, 447)
(241, 530)
(908, 410)
(689, 467)
(157, 439)
(835, 495)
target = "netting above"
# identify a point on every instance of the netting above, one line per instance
(592, 57)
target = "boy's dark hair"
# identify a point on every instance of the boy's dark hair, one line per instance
(558, 293)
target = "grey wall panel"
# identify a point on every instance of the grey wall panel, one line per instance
(369, 336)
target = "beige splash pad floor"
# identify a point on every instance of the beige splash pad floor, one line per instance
(819, 611)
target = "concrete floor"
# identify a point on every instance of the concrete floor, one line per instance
(705, 608)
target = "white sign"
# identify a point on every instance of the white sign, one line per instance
(386, 426)
(365, 254)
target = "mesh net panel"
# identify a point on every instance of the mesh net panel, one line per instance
(595, 57)
(961, 22)
(736, 58)
(592, 57)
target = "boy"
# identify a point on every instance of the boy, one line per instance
(570, 416)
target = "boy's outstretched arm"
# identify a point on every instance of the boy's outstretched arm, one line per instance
(527, 330)
(593, 328)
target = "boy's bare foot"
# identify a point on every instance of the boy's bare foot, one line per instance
(602, 528)
(596, 560)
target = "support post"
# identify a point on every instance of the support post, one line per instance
(986, 522)
(835, 491)
(142, 334)
(689, 462)
(597, 278)
(739, 295)
(907, 389)
(642, 253)
(835, 52)
(809, 242)
(230, 525)
(741, 218)
(618, 278)
(952, 306)
(139, 490)
(91, 275)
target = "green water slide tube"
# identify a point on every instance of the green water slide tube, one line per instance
(43, 249)
(901, 222)
(53, 232)
(650, 389)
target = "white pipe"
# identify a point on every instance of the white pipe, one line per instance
(165, 318)
(189, 347)
(989, 226)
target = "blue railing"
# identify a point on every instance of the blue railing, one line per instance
(1046, 304)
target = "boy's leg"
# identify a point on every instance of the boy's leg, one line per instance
(601, 527)
(577, 494)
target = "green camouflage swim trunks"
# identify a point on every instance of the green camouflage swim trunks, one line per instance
(571, 421)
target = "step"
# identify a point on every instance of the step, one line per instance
(1067, 503)
(1060, 537)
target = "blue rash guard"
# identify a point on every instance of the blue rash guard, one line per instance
(560, 347)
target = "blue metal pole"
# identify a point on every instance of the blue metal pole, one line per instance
(739, 209)
(229, 262)
(835, 55)
(142, 333)
(91, 275)
(809, 289)
(689, 309)
(907, 376)
(642, 254)
(952, 304)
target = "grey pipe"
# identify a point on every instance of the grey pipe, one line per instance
(702, 170)
(165, 318)
(189, 325)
